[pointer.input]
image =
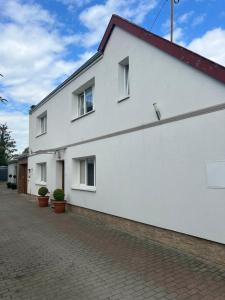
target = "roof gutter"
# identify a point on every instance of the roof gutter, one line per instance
(89, 63)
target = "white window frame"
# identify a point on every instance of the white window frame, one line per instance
(124, 79)
(83, 95)
(42, 124)
(77, 174)
(41, 173)
(43, 169)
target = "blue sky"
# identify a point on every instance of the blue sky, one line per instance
(43, 42)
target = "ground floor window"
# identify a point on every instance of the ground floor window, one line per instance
(85, 172)
(42, 172)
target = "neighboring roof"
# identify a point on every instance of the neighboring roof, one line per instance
(188, 57)
(13, 161)
(193, 59)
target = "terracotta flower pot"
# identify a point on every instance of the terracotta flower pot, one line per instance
(59, 206)
(43, 201)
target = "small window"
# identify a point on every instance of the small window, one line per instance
(42, 123)
(42, 172)
(85, 101)
(85, 172)
(124, 82)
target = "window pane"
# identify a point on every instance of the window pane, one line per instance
(82, 171)
(43, 121)
(90, 172)
(89, 99)
(43, 172)
(126, 79)
(81, 104)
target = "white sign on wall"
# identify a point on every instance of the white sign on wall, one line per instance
(216, 174)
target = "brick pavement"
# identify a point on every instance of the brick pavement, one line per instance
(49, 256)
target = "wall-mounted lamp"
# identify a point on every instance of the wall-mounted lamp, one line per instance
(157, 111)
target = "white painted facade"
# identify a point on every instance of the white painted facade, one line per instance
(156, 175)
(12, 170)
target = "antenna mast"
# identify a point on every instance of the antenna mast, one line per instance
(172, 2)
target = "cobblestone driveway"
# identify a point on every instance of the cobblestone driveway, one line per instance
(48, 256)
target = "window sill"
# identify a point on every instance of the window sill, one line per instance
(85, 189)
(40, 134)
(41, 183)
(123, 99)
(84, 115)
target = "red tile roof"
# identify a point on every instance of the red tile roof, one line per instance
(193, 59)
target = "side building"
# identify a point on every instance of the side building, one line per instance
(138, 133)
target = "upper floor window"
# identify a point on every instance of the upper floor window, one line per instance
(42, 123)
(85, 101)
(124, 81)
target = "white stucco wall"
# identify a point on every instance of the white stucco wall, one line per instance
(12, 170)
(154, 77)
(157, 175)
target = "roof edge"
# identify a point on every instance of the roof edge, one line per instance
(185, 55)
(71, 77)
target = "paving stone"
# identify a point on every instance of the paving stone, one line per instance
(57, 257)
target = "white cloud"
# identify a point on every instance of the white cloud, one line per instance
(198, 20)
(74, 4)
(25, 13)
(96, 17)
(18, 124)
(185, 17)
(177, 36)
(210, 45)
(32, 52)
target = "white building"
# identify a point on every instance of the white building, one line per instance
(98, 136)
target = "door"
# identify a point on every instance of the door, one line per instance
(22, 182)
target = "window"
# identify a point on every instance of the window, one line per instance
(85, 173)
(124, 83)
(42, 123)
(85, 101)
(42, 172)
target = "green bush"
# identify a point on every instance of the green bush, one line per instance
(8, 185)
(58, 195)
(13, 186)
(43, 191)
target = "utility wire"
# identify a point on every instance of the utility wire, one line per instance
(158, 14)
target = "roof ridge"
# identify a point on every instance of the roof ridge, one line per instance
(187, 56)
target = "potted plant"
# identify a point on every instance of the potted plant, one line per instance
(59, 203)
(8, 185)
(13, 186)
(42, 198)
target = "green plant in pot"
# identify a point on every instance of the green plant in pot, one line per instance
(13, 186)
(8, 185)
(59, 201)
(43, 198)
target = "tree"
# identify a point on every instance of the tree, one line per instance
(7, 145)
(1, 98)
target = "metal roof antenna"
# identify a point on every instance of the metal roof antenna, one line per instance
(172, 2)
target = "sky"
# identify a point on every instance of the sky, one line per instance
(44, 41)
